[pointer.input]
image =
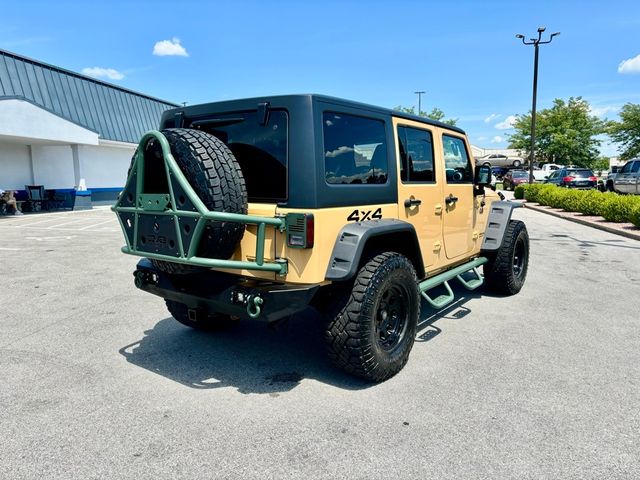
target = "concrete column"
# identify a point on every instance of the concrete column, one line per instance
(31, 170)
(77, 171)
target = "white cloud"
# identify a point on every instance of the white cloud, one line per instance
(493, 116)
(338, 151)
(171, 47)
(630, 65)
(603, 110)
(99, 72)
(497, 139)
(507, 123)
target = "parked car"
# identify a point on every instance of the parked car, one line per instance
(545, 170)
(499, 160)
(513, 178)
(573, 178)
(628, 178)
(607, 184)
(499, 172)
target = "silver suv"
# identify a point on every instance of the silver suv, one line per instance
(627, 180)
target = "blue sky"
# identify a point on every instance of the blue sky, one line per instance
(464, 54)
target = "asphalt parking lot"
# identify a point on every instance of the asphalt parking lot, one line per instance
(97, 381)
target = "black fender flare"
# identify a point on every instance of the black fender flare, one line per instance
(497, 222)
(353, 238)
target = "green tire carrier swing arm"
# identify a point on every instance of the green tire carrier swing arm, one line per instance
(182, 205)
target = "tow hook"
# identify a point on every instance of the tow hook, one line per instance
(249, 299)
(140, 278)
(253, 306)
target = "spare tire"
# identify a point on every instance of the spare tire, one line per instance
(216, 177)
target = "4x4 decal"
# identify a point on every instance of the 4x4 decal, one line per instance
(362, 215)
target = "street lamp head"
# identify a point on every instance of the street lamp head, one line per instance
(519, 36)
(555, 34)
(541, 29)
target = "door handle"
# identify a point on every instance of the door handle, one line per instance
(412, 202)
(450, 199)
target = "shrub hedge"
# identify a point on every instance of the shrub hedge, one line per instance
(611, 206)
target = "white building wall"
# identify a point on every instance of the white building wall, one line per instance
(15, 166)
(105, 166)
(53, 166)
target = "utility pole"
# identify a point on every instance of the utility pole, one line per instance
(535, 42)
(419, 101)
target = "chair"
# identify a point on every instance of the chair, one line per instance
(55, 199)
(36, 198)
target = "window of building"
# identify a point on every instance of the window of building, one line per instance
(416, 155)
(355, 149)
(456, 160)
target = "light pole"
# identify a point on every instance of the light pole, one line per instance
(419, 101)
(535, 42)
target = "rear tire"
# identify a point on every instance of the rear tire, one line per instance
(506, 270)
(206, 321)
(216, 177)
(373, 331)
(517, 163)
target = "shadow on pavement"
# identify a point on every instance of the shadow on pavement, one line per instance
(255, 358)
(251, 357)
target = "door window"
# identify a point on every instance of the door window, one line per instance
(627, 168)
(416, 155)
(456, 160)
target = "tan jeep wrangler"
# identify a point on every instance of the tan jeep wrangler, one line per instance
(259, 208)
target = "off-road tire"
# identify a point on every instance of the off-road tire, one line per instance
(506, 270)
(517, 164)
(216, 177)
(353, 334)
(208, 322)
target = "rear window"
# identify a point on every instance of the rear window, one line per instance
(582, 173)
(261, 150)
(355, 149)
(520, 174)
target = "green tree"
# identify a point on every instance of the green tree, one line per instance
(565, 133)
(434, 114)
(626, 132)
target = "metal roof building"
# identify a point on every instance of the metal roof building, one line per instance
(58, 127)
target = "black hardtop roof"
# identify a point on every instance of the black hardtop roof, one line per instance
(241, 102)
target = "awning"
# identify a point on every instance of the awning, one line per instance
(24, 122)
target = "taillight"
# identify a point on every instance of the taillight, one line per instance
(593, 179)
(310, 230)
(300, 230)
(567, 179)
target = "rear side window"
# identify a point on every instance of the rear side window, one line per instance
(456, 160)
(416, 155)
(261, 150)
(355, 149)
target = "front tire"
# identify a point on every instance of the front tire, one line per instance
(506, 270)
(373, 331)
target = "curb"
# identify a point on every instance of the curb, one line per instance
(582, 221)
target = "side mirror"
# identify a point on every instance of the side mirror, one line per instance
(546, 176)
(483, 176)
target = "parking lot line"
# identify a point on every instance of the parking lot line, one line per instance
(77, 220)
(111, 220)
(101, 230)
